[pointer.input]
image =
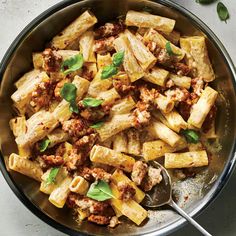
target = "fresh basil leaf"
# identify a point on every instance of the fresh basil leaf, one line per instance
(190, 135)
(92, 102)
(109, 71)
(68, 92)
(73, 107)
(44, 145)
(169, 50)
(97, 125)
(222, 11)
(100, 191)
(118, 58)
(72, 64)
(52, 175)
(205, 1)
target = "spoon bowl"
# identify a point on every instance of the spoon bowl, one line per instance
(161, 194)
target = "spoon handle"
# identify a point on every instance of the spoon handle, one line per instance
(188, 218)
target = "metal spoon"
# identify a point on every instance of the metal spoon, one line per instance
(161, 195)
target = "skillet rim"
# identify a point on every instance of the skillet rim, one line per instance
(216, 188)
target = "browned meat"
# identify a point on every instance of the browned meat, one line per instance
(146, 95)
(76, 127)
(209, 119)
(181, 68)
(99, 219)
(127, 192)
(94, 114)
(52, 160)
(122, 84)
(114, 222)
(170, 83)
(92, 174)
(139, 171)
(94, 207)
(70, 201)
(59, 86)
(197, 85)
(104, 45)
(141, 115)
(184, 109)
(109, 29)
(52, 61)
(177, 94)
(86, 143)
(87, 74)
(75, 159)
(153, 178)
(42, 95)
(99, 173)
(163, 57)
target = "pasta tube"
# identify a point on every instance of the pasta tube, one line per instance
(79, 185)
(109, 96)
(186, 160)
(38, 126)
(86, 46)
(181, 81)
(120, 142)
(123, 106)
(131, 66)
(155, 149)
(202, 107)
(25, 167)
(130, 209)
(146, 20)
(173, 36)
(22, 95)
(72, 32)
(118, 176)
(57, 136)
(157, 76)
(134, 146)
(145, 58)
(117, 124)
(166, 134)
(110, 157)
(164, 103)
(18, 125)
(48, 188)
(197, 57)
(103, 60)
(172, 119)
(98, 85)
(59, 195)
(153, 36)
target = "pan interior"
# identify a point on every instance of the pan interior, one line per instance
(190, 193)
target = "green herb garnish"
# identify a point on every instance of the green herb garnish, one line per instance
(191, 135)
(222, 11)
(205, 1)
(100, 191)
(92, 102)
(169, 50)
(97, 125)
(44, 145)
(72, 64)
(118, 58)
(68, 92)
(110, 70)
(52, 175)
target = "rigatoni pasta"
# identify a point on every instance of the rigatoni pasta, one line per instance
(103, 101)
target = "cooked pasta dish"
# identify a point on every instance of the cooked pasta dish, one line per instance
(101, 102)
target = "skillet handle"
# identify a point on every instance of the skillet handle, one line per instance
(188, 218)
